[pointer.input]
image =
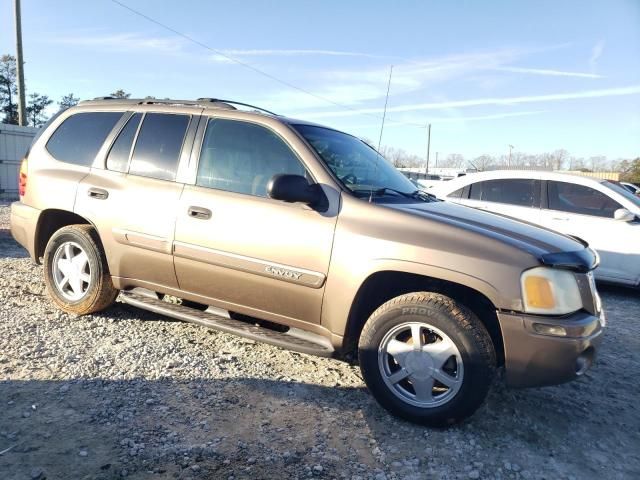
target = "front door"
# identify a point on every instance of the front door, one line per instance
(240, 249)
(587, 213)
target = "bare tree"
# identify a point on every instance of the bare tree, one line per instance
(559, 158)
(453, 160)
(483, 162)
(597, 163)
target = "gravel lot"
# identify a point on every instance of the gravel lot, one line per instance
(132, 394)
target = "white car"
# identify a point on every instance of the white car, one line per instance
(602, 213)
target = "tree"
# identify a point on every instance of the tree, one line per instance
(120, 94)
(35, 110)
(483, 162)
(68, 101)
(597, 163)
(453, 160)
(558, 158)
(8, 89)
(630, 171)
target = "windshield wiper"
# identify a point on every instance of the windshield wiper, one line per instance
(416, 194)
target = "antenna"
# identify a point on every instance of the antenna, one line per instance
(384, 114)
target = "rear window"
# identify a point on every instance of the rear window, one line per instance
(158, 146)
(523, 192)
(80, 136)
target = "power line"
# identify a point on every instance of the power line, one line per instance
(249, 66)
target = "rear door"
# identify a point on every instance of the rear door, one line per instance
(131, 195)
(518, 198)
(239, 249)
(588, 213)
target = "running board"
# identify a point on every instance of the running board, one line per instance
(294, 339)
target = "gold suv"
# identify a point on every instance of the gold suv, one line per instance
(302, 236)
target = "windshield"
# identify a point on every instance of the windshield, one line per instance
(616, 187)
(358, 166)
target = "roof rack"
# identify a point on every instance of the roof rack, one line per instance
(232, 102)
(227, 104)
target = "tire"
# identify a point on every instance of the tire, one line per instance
(88, 287)
(455, 348)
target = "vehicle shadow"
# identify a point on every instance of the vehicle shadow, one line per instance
(9, 248)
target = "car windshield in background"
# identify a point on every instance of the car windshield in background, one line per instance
(616, 187)
(358, 166)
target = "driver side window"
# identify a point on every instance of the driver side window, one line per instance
(242, 157)
(573, 198)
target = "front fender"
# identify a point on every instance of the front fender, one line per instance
(343, 285)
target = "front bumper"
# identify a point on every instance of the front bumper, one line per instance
(24, 220)
(533, 359)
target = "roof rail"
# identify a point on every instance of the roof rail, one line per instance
(108, 97)
(232, 102)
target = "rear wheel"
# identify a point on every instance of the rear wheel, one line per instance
(427, 358)
(76, 271)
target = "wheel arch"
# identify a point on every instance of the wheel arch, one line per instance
(381, 286)
(49, 222)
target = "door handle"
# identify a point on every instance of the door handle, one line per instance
(561, 218)
(98, 193)
(199, 213)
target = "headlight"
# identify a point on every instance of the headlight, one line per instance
(550, 291)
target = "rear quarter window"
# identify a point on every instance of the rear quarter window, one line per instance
(79, 138)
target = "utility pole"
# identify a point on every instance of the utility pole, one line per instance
(22, 118)
(511, 147)
(428, 146)
(436, 159)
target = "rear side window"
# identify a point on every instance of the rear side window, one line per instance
(80, 136)
(573, 198)
(118, 158)
(158, 147)
(523, 192)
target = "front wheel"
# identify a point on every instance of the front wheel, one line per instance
(76, 271)
(427, 358)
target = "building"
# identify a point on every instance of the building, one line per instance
(14, 142)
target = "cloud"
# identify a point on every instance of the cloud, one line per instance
(553, 73)
(496, 116)
(124, 42)
(351, 87)
(452, 119)
(556, 97)
(596, 53)
(292, 53)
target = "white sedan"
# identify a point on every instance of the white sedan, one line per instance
(600, 212)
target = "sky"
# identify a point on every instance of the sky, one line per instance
(538, 75)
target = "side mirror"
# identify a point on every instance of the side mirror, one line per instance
(623, 215)
(292, 188)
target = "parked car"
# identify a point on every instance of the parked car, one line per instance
(631, 187)
(303, 237)
(600, 212)
(423, 181)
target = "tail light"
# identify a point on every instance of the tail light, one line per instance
(22, 178)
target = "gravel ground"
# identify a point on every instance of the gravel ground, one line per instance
(128, 393)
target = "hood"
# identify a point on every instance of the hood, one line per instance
(550, 247)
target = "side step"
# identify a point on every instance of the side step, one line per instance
(294, 339)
